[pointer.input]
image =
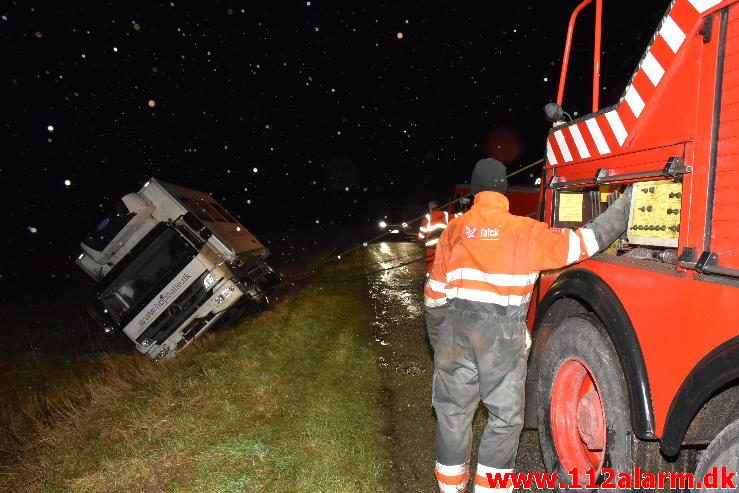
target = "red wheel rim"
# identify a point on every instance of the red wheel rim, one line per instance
(578, 418)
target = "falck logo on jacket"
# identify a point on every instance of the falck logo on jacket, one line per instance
(490, 234)
(475, 233)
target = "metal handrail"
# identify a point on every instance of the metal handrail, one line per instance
(596, 52)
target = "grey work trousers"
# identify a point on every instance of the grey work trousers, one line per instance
(480, 353)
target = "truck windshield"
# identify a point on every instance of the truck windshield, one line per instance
(147, 274)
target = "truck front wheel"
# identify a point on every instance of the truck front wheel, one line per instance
(584, 417)
(720, 459)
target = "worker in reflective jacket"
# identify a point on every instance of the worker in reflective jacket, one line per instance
(432, 226)
(476, 300)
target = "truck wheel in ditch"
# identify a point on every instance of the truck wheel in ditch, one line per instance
(584, 417)
(722, 452)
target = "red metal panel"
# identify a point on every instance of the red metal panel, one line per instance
(523, 202)
(684, 14)
(587, 139)
(644, 86)
(662, 52)
(570, 144)
(725, 225)
(674, 101)
(729, 148)
(627, 117)
(730, 95)
(674, 335)
(605, 128)
(555, 149)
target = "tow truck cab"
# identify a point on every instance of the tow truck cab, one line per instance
(168, 263)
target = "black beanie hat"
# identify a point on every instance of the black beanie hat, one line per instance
(489, 175)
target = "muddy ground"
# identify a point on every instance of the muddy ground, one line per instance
(396, 298)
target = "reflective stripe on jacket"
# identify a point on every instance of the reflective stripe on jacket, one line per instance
(489, 255)
(432, 226)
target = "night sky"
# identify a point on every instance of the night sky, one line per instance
(296, 115)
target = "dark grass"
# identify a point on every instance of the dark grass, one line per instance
(285, 401)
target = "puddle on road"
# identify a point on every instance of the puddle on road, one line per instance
(397, 302)
(399, 330)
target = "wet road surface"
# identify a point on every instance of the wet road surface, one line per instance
(404, 353)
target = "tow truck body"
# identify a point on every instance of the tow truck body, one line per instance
(168, 263)
(522, 200)
(665, 296)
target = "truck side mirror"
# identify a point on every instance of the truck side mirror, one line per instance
(554, 112)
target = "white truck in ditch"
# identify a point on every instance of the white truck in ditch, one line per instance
(168, 263)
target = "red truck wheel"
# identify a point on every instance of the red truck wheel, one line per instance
(584, 417)
(577, 417)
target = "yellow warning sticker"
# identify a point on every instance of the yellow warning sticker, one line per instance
(570, 207)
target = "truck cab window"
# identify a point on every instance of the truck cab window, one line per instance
(194, 207)
(212, 211)
(108, 227)
(164, 256)
(224, 212)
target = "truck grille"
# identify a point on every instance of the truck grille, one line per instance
(180, 310)
(193, 329)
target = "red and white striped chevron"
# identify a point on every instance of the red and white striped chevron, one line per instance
(604, 133)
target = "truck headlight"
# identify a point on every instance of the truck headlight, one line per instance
(209, 281)
(225, 294)
(162, 352)
(146, 342)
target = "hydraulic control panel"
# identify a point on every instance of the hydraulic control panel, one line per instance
(655, 213)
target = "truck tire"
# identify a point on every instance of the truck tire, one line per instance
(723, 451)
(584, 416)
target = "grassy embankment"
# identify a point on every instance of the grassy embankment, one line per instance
(287, 401)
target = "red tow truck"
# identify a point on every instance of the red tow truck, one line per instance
(522, 200)
(635, 356)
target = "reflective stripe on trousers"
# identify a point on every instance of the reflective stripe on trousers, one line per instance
(480, 353)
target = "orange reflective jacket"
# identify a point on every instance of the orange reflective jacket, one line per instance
(432, 226)
(491, 256)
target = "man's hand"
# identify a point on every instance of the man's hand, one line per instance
(627, 192)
